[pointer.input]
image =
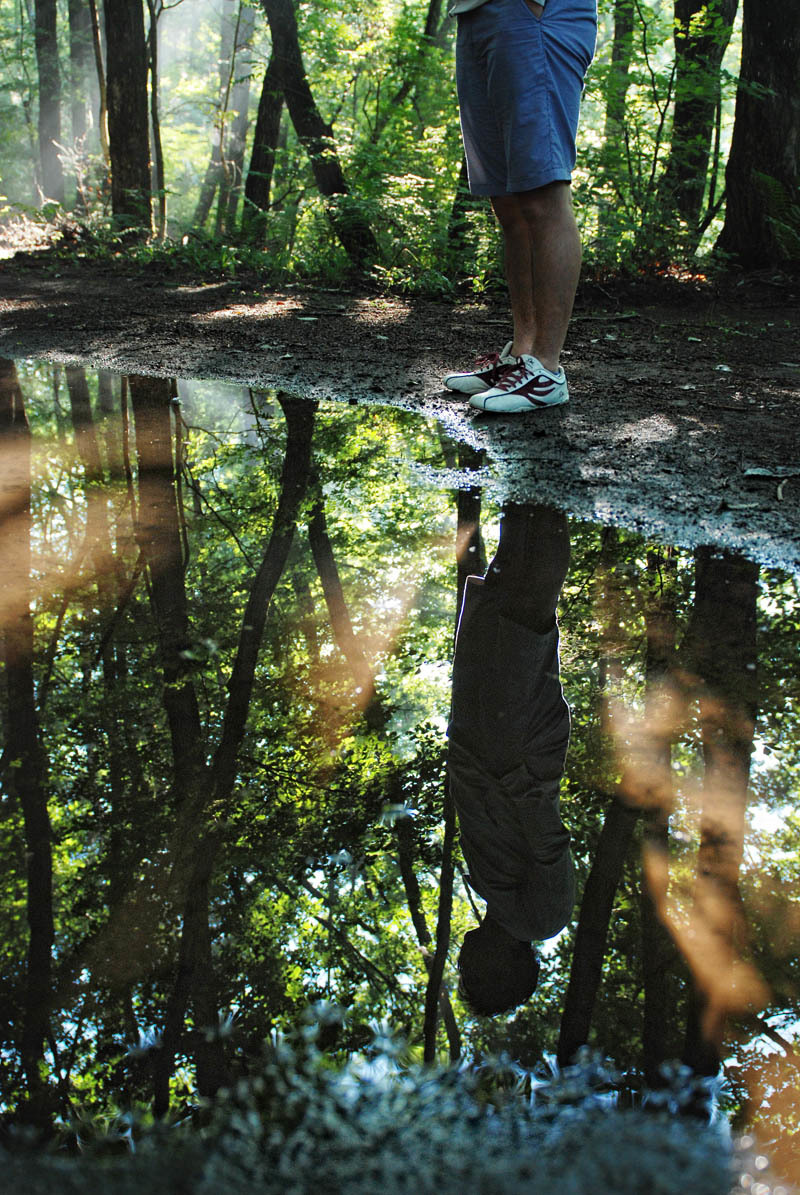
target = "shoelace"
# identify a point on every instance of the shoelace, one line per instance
(490, 359)
(516, 374)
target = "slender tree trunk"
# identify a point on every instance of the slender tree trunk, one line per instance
(262, 157)
(80, 55)
(46, 40)
(702, 33)
(214, 169)
(102, 118)
(128, 124)
(612, 153)
(763, 170)
(155, 122)
(27, 771)
(233, 156)
(316, 136)
(457, 224)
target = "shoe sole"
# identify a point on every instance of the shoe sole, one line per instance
(465, 385)
(512, 406)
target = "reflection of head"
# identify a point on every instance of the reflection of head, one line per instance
(498, 972)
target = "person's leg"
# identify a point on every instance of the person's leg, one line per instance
(542, 258)
(556, 257)
(531, 563)
(518, 259)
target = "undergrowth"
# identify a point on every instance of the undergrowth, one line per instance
(379, 1124)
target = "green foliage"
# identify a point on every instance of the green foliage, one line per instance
(389, 95)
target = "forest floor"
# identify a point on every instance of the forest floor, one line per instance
(684, 419)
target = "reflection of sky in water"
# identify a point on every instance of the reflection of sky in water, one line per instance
(309, 895)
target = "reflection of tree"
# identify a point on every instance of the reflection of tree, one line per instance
(24, 771)
(615, 838)
(203, 793)
(721, 652)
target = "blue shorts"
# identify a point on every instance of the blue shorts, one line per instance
(520, 80)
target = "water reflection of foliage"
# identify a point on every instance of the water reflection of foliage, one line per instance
(310, 892)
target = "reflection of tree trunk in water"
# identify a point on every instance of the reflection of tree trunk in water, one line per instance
(194, 866)
(375, 714)
(615, 837)
(404, 833)
(376, 717)
(436, 973)
(649, 784)
(26, 774)
(159, 536)
(721, 650)
(98, 535)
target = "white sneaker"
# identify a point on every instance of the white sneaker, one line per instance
(487, 372)
(527, 387)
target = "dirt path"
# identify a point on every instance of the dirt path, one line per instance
(684, 419)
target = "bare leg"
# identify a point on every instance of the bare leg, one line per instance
(553, 260)
(519, 270)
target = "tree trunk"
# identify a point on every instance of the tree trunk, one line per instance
(239, 103)
(102, 118)
(80, 56)
(128, 124)
(702, 33)
(46, 39)
(262, 157)
(316, 136)
(159, 184)
(214, 169)
(27, 771)
(762, 223)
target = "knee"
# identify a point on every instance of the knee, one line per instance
(548, 204)
(509, 213)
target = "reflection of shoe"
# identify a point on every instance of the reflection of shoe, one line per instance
(527, 387)
(487, 372)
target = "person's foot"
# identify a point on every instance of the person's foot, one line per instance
(487, 372)
(526, 387)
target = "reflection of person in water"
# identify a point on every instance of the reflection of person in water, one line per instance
(509, 730)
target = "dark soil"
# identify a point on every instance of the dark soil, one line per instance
(684, 417)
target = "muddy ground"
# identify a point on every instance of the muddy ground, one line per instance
(684, 419)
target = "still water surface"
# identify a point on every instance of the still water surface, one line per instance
(228, 622)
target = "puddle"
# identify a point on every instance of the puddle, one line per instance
(228, 630)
